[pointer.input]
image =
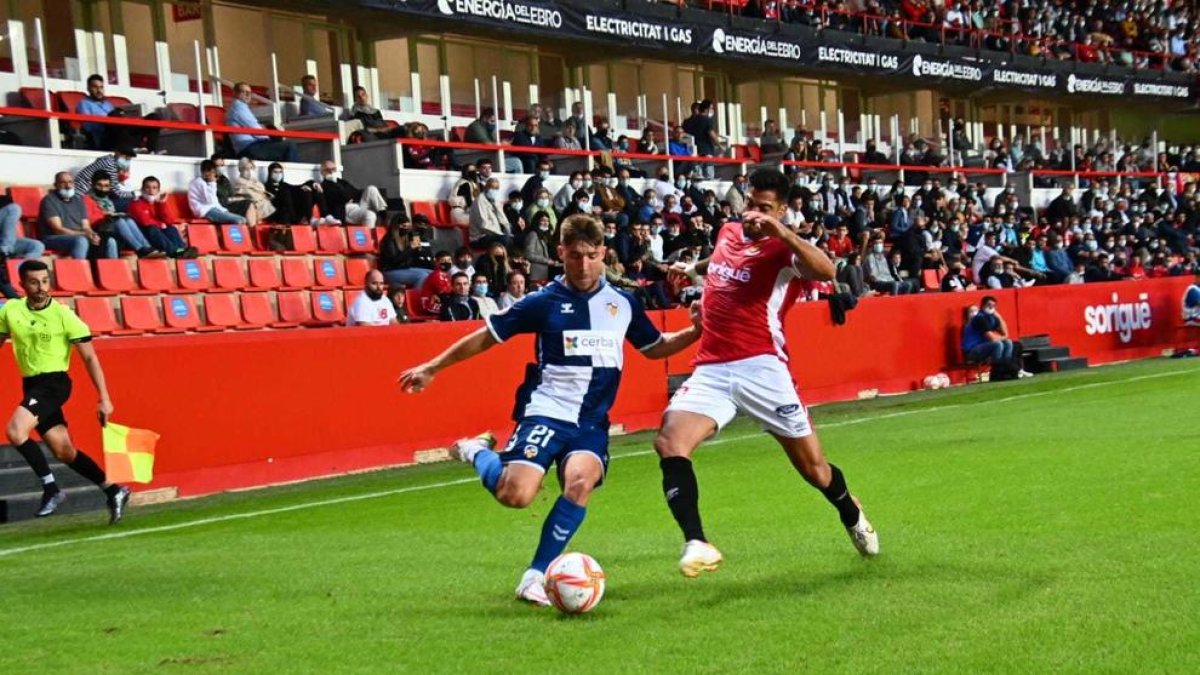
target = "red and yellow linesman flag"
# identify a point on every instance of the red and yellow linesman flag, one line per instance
(128, 453)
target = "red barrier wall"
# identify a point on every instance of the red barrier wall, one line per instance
(247, 409)
(239, 410)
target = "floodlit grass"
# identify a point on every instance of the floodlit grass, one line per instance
(1034, 526)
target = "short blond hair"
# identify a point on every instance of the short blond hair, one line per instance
(582, 227)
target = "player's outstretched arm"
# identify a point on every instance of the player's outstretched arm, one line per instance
(104, 408)
(417, 378)
(673, 343)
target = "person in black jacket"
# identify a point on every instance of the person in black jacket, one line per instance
(459, 305)
(293, 203)
(403, 258)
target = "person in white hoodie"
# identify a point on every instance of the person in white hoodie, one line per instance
(202, 197)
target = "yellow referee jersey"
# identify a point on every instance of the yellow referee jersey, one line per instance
(42, 338)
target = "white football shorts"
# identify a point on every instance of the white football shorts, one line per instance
(760, 387)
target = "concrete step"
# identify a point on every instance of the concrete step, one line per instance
(16, 479)
(1035, 341)
(1043, 354)
(24, 506)
(1067, 363)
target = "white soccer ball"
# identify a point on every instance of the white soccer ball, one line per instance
(932, 382)
(574, 583)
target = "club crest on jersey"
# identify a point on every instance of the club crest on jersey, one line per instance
(531, 451)
(568, 308)
(612, 308)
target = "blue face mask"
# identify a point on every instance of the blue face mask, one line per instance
(123, 163)
(67, 193)
(479, 289)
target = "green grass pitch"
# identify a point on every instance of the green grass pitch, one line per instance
(1045, 525)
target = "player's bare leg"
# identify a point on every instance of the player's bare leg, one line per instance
(581, 473)
(20, 427)
(681, 433)
(59, 440)
(809, 460)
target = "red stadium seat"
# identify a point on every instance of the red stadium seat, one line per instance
(297, 273)
(360, 240)
(155, 275)
(331, 239)
(14, 277)
(264, 274)
(183, 112)
(426, 209)
(141, 314)
(356, 271)
(236, 239)
(304, 240)
(230, 274)
(443, 213)
(931, 280)
(194, 276)
(98, 314)
(327, 307)
(203, 236)
(294, 307)
(114, 274)
(329, 272)
(222, 311)
(180, 311)
(35, 97)
(258, 312)
(74, 276)
(29, 199)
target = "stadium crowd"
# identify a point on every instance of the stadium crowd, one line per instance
(919, 234)
(1156, 34)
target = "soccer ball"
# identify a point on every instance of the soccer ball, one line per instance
(938, 381)
(574, 583)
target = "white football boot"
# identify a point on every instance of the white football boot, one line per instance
(863, 535)
(699, 556)
(465, 449)
(532, 588)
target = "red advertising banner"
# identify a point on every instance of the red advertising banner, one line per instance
(186, 11)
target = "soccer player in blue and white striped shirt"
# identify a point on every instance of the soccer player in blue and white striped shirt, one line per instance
(581, 323)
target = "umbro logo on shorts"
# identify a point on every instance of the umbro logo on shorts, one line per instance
(787, 410)
(33, 401)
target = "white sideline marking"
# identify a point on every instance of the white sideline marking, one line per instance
(463, 481)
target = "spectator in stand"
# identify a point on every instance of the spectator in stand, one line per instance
(1102, 270)
(255, 146)
(340, 201)
(514, 210)
(1063, 207)
(403, 258)
(1078, 273)
(579, 125)
(736, 196)
(568, 139)
(249, 188)
(64, 224)
(372, 307)
(101, 136)
(203, 200)
(310, 99)
(873, 155)
(463, 262)
(954, 281)
(466, 187)
(879, 272)
(494, 266)
(677, 146)
(488, 222)
(437, 284)
(110, 222)
(514, 290)
(293, 203)
(479, 293)
(528, 135)
(840, 243)
(543, 204)
(374, 127)
(483, 130)
(537, 181)
(225, 194)
(771, 141)
(459, 305)
(538, 248)
(153, 216)
(986, 340)
(11, 245)
(121, 160)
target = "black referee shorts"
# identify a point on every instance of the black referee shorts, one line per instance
(45, 395)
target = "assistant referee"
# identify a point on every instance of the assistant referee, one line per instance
(42, 332)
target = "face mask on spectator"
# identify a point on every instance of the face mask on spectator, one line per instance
(989, 310)
(544, 226)
(587, 183)
(479, 290)
(543, 203)
(276, 176)
(334, 176)
(123, 163)
(612, 182)
(1092, 244)
(878, 248)
(149, 197)
(445, 267)
(493, 194)
(517, 204)
(681, 183)
(543, 174)
(576, 184)
(584, 205)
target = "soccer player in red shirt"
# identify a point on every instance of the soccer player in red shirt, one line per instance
(756, 272)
